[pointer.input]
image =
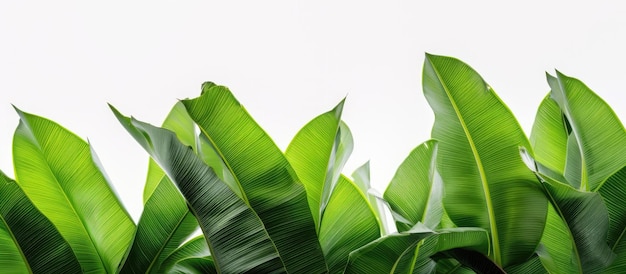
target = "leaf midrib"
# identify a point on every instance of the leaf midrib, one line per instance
(481, 171)
(218, 150)
(69, 202)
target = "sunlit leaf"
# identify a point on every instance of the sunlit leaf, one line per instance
(268, 183)
(486, 184)
(62, 176)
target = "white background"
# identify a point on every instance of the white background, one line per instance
(287, 62)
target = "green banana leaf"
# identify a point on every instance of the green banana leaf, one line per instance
(62, 176)
(580, 137)
(266, 179)
(238, 240)
(317, 153)
(486, 184)
(29, 242)
(194, 266)
(597, 140)
(348, 223)
(179, 122)
(166, 221)
(361, 178)
(195, 248)
(613, 192)
(399, 252)
(586, 220)
(164, 224)
(416, 190)
(548, 137)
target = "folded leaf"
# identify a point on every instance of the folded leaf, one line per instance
(585, 225)
(416, 190)
(596, 145)
(266, 179)
(399, 252)
(238, 240)
(317, 153)
(613, 192)
(194, 248)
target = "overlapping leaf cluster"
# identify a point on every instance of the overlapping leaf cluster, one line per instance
(479, 197)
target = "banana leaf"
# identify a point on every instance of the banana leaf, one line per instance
(486, 184)
(266, 179)
(29, 242)
(416, 191)
(238, 240)
(62, 176)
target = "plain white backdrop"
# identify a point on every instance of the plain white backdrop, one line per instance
(288, 61)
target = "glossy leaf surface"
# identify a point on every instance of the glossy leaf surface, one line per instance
(236, 237)
(60, 173)
(268, 183)
(486, 184)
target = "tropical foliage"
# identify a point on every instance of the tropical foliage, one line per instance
(479, 197)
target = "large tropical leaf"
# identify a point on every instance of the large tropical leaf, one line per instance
(195, 248)
(317, 153)
(579, 138)
(166, 221)
(586, 223)
(62, 176)
(238, 240)
(596, 146)
(348, 223)
(361, 177)
(549, 136)
(178, 121)
(416, 191)
(164, 224)
(613, 192)
(486, 184)
(405, 251)
(268, 182)
(29, 242)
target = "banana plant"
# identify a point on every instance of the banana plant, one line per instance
(478, 198)
(580, 153)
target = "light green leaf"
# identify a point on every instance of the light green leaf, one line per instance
(317, 153)
(549, 136)
(398, 253)
(486, 184)
(29, 242)
(416, 190)
(164, 224)
(348, 224)
(361, 177)
(266, 179)
(238, 240)
(61, 175)
(596, 145)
